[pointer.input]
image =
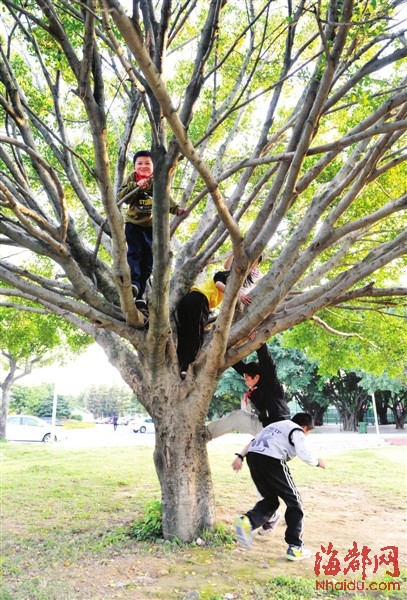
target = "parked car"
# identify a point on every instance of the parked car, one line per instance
(58, 422)
(26, 428)
(142, 425)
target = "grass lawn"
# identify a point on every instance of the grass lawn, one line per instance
(67, 514)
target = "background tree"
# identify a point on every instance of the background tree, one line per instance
(350, 399)
(388, 394)
(110, 400)
(38, 400)
(281, 130)
(398, 407)
(31, 340)
(228, 394)
(302, 381)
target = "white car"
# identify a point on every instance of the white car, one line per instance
(142, 425)
(26, 428)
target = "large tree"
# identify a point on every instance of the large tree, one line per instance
(279, 127)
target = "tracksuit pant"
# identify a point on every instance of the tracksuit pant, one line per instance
(191, 316)
(139, 254)
(273, 480)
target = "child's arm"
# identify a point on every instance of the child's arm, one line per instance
(303, 452)
(246, 299)
(128, 185)
(228, 261)
(237, 464)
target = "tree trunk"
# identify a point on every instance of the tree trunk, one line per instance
(5, 395)
(318, 414)
(348, 421)
(399, 414)
(382, 414)
(181, 461)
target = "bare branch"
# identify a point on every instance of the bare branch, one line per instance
(344, 334)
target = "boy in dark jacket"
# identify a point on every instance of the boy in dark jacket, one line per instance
(138, 186)
(265, 390)
(265, 393)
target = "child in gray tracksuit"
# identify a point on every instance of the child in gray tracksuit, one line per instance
(267, 457)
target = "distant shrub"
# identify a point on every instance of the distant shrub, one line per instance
(77, 417)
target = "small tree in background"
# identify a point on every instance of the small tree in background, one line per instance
(32, 339)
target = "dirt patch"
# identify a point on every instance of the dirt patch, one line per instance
(144, 572)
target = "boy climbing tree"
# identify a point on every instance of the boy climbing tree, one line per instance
(137, 192)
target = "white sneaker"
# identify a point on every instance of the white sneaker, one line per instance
(268, 527)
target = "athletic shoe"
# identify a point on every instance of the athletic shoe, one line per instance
(244, 531)
(297, 552)
(268, 527)
(134, 290)
(141, 305)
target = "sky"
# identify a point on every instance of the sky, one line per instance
(90, 368)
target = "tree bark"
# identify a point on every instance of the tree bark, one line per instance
(182, 465)
(5, 394)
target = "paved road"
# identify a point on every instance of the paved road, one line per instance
(328, 437)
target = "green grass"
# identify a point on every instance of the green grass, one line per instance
(74, 424)
(68, 513)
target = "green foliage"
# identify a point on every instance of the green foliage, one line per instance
(222, 536)
(373, 341)
(77, 418)
(228, 393)
(107, 400)
(149, 525)
(38, 401)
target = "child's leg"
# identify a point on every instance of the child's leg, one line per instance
(134, 252)
(237, 420)
(192, 314)
(294, 514)
(273, 478)
(263, 511)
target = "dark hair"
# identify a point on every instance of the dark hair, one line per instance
(141, 153)
(251, 369)
(302, 419)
